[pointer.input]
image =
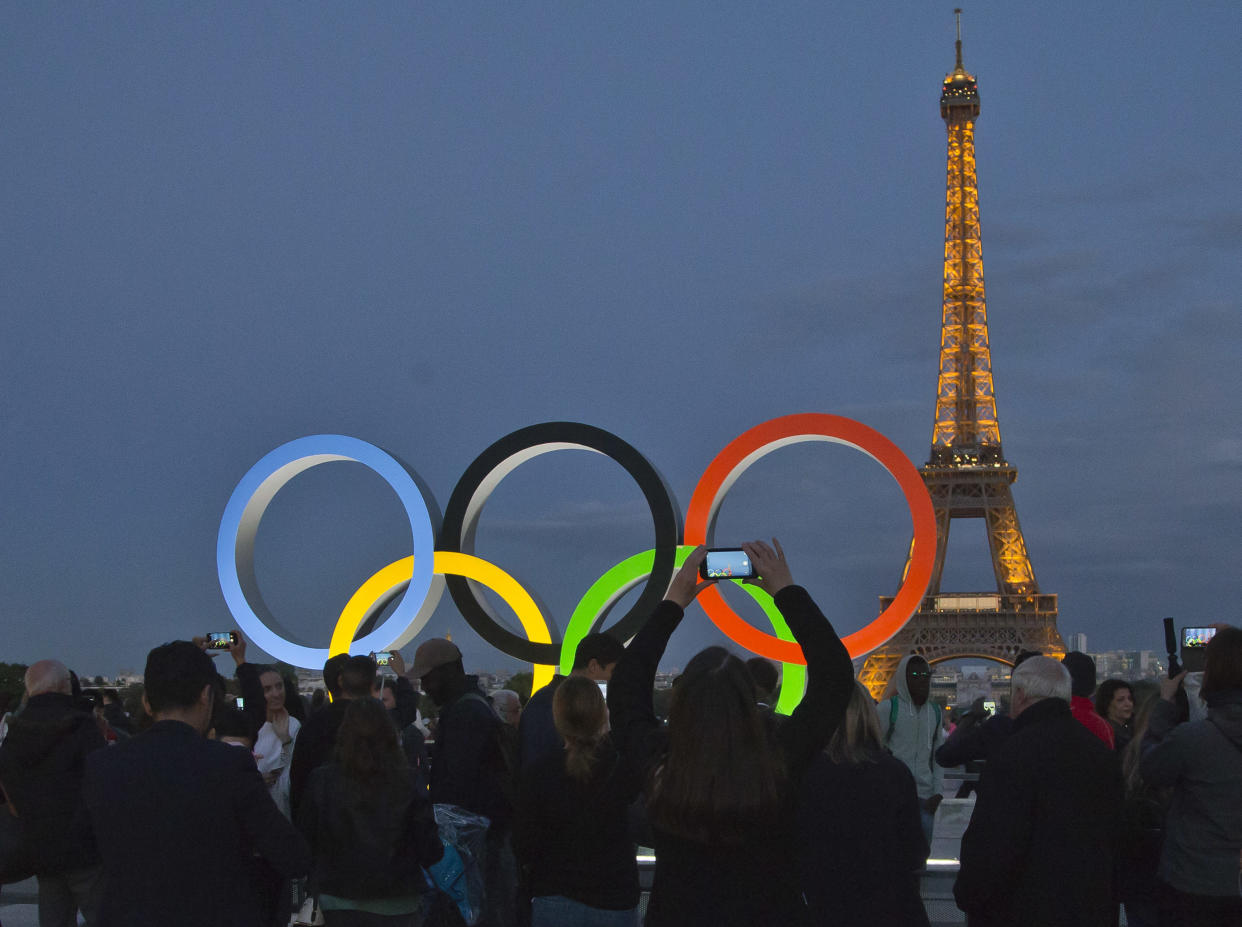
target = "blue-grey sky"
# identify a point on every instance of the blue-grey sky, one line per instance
(427, 225)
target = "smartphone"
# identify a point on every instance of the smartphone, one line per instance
(727, 563)
(239, 702)
(1194, 648)
(383, 657)
(989, 706)
(221, 640)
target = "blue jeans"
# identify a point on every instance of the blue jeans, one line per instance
(559, 911)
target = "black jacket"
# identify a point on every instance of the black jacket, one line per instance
(572, 837)
(178, 820)
(723, 886)
(368, 841)
(42, 761)
(860, 843)
(468, 767)
(537, 736)
(313, 748)
(1042, 843)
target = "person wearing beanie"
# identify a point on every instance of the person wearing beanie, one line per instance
(1082, 678)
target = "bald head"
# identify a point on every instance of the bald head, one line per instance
(47, 676)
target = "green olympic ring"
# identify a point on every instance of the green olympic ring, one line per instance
(627, 574)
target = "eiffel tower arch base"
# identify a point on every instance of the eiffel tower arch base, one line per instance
(984, 625)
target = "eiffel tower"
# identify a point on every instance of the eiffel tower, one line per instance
(967, 474)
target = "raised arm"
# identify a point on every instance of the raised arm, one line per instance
(632, 718)
(830, 674)
(830, 679)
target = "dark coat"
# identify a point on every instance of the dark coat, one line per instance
(314, 747)
(368, 841)
(1041, 846)
(572, 837)
(537, 736)
(860, 843)
(178, 820)
(1202, 762)
(468, 765)
(42, 761)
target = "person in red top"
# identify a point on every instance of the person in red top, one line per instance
(1082, 674)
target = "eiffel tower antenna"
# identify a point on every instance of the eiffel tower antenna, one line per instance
(966, 473)
(958, 44)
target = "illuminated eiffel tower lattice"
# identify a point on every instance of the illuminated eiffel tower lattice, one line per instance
(967, 474)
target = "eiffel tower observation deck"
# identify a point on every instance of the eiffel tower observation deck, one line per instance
(966, 473)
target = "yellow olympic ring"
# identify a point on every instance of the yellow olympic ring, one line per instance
(388, 582)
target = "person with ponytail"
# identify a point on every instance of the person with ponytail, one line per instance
(721, 783)
(570, 831)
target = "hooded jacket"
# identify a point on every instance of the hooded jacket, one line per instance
(42, 761)
(1202, 761)
(916, 734)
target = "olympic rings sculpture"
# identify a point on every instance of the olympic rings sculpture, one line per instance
(446, 557)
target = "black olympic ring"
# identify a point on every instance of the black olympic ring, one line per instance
(481, 478)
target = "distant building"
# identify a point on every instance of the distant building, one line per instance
(1077, 642)
(1128, 664)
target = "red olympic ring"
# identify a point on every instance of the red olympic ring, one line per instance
(761, 440)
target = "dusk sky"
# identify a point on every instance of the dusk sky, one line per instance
(226, 226)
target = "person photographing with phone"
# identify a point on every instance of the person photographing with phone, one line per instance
(266, 701)
(1201, 860)
(720, 783)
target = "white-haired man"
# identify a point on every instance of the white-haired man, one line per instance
(1041, 844)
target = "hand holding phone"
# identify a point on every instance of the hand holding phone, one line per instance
(221, 640)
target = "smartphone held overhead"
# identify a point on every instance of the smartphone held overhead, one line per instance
(221, 640)
(727, 563)
(1194, 648)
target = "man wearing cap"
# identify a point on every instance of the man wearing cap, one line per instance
(468, 766)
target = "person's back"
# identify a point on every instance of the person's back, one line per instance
(719, 797)
(1041, 846)
(178, 818)
(354, 678)
(594, 658)
(467, 765)
(1201, 761)
(1081, 668)
(570, 827)
(470, 767)
(860, 841)
(370, 826)
(41, 763)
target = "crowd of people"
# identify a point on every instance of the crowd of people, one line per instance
(352, 810)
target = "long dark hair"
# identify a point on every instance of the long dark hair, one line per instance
(367, 747)
(581, 718)
(720, 780)
(857, 737)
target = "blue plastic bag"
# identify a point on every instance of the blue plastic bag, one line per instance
(459, 874)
